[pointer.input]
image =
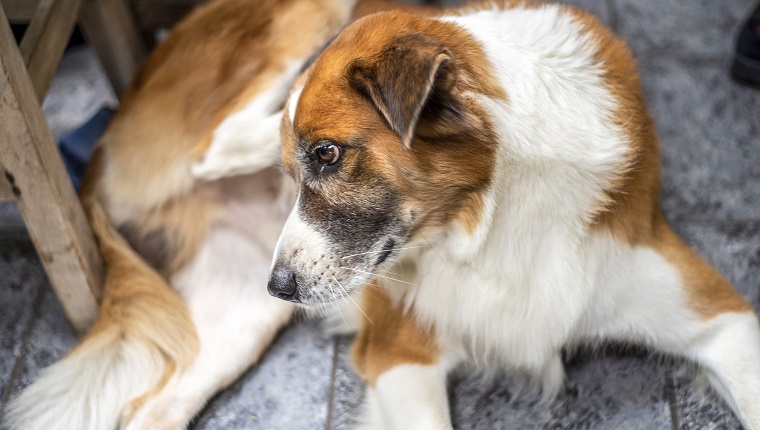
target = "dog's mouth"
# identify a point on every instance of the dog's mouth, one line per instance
(385, 252)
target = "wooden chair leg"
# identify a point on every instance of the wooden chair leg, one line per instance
(43, 44)
(110, 29)
(33, 170)
(6, 191)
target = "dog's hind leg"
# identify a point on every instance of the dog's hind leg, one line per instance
(224, 286)
(665, 296)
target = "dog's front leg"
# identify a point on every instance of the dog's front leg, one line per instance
(407, 396)
(402, 367)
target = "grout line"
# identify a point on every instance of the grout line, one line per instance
(331, 397)
(670, 393)
(15, 373)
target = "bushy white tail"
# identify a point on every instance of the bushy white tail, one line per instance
(88, 388)
(142, 336)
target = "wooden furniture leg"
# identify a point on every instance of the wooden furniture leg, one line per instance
(110, 29)
(32, 170)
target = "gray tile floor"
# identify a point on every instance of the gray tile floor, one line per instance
(710, 133)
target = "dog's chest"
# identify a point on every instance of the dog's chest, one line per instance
(504, 319)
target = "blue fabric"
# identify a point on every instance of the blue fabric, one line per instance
(76, 146)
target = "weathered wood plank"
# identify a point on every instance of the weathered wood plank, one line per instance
(6, 190)
(45, 40)
(110, 29)
(19, 10)
(47, 201)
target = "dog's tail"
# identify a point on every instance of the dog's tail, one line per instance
(142, 335)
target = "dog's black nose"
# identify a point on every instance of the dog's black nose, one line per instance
(282, 284)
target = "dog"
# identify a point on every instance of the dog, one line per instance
(186, 202)
(488, 178)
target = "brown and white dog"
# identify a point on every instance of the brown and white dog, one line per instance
(492, 175)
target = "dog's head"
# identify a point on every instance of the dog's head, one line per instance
(387, 141)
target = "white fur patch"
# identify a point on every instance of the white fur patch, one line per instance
(299, 235)
(409, 396)
(249, 139)
(293, 103)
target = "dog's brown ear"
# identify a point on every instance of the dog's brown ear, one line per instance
(403, 79)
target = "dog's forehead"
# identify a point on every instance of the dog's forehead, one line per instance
(327, 108)
(326, 99)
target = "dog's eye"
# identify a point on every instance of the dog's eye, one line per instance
(329, 154)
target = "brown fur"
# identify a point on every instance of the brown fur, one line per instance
(138, 306)
(631, 212)
(436, 186)
(388, 336)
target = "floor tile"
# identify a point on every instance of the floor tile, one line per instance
(21, 280)
(12, 228)
(289, 389)
(348, 391)
(699, 408)
(673, 27)
(51, 337)
(613, 392)
(708, 128)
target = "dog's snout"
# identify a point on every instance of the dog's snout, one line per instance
(283, 284)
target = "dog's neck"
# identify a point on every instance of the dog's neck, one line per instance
(552, 168)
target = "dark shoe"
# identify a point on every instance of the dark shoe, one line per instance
(746, 67)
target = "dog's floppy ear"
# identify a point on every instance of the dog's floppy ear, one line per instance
(403, 79)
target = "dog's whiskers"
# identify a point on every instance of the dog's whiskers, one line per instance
(389, 272)
(352, 300)
(431, 245)
(338, 309)
(381, 251)
(377, 274)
